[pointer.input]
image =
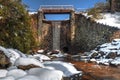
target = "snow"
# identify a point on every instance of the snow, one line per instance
(110, 19)
(20, 53)
(112, 48)
(46, 74)
(11, 68)
(86, 15)
(55, 70)
(28, 61)
(104, 61)
(12, 54)
(29, 77)
(67, 68)
(5, 51)
(31, 13)
(16, 73)
(4, 72)
(58, 55)
(40, 51)
(41, 57)
(116, 61)
(8, 78)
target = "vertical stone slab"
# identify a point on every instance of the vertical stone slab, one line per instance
(72, 25)
(40, 24)
(72, 22)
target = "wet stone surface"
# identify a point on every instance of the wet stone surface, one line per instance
(92, 71)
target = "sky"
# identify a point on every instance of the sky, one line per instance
(34, 5)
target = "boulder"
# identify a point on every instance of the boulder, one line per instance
(27, 63)
(4, 60)
(27, 67)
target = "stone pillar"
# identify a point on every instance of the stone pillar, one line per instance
(40, 24)
(72, 23)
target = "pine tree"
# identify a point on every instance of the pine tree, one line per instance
(15, 29)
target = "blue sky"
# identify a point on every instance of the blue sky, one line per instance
(34, 5)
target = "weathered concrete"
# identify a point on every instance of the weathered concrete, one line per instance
(56, 34)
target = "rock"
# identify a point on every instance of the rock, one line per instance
(54, 52)
(4, 60)
(111, 55)
(27, 67)
(27, 63)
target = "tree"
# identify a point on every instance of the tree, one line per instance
(114, 5)
(98, 8)
(15, 29)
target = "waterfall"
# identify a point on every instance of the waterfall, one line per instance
(56, 34)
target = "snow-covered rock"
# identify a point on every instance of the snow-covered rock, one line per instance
(12, 54)
(5, 51)
(104, 61)
(67, 68)
(11, 68)
(29, 77)
(8, 78)
(28, 61)
(46, 74)
(3, 72)
(41, 57)
(40, 51)
(20, 53)
(116, 61)
(107, 53)
(56, 53)
(16, 73)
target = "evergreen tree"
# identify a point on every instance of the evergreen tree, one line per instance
(15, 29)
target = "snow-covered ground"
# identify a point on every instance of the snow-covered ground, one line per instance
(31, 13)
(108, 53)
(47, 70)
(110, 19)
(66, 68)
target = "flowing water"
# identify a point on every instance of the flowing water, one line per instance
(56, 34)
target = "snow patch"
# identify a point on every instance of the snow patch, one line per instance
(67, 68)
(110, 19)
(46, 74)
(41, 57)
(28, 61)
(8, 78)
(108, 53)
(3, 72)
(16, 73)
(29, 77)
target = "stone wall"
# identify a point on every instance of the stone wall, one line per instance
(45, 35)
(89, 34)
